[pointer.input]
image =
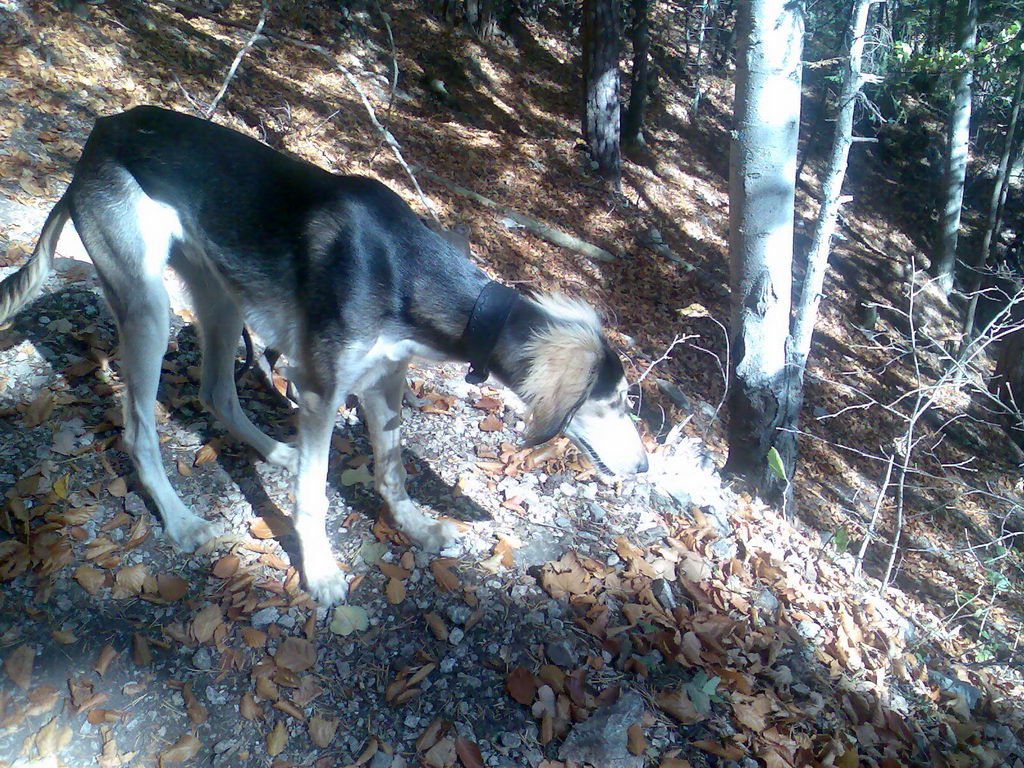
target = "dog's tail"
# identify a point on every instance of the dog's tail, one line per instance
(19, 289)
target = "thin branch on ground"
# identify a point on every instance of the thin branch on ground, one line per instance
(264, 10)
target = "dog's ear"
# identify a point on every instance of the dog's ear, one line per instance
(559, 386)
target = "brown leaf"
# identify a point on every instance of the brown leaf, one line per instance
(254, 638)
(207, 453)
(170, 587)
(437, 626)
(521, 685)
(141, 655)
(469, 753)
(636, 743)
(117, 487)
(89, 578)
(395, 591)
(18, 665)
(674, 762)
(442, 754)
(41, 700)
(446, 580)
(52, 738)
(277, 739)
(259, 529)
(206, 623)
(185, 748)
(491, 423)
(226, 567)
(107, 655)
(184, 469)
(295, 654)
(322, 730)
(678, 704)
(248, 707)
(128, 582)
(431, 734)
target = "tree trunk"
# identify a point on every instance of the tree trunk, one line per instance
(633, 120)
(958, 147)
(984, 255)
(809, 299)
(762, 165)
(708, 9)
(600, 43)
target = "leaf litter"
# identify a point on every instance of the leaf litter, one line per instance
(752, 644)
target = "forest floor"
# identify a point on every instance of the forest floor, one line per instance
(663, 621)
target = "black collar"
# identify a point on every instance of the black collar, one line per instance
(486, 322)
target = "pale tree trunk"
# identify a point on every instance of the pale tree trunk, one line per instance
(762, 182)
(809, 299)
(601, 41)
(957, 149)
(984, 255)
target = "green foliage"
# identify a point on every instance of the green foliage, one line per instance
(703, 690)
(775, 464)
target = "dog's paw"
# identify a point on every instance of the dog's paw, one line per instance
(328, 588)
(435, 537)
(189, 532)
(284, 455)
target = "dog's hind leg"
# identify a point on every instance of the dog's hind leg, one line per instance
(128, 238)
(382, 404)
(220, 326)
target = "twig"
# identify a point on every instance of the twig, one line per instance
(874, 516)
(665, 355)
(323, 52)
(394, 71)
(238, 59)
(552, 235)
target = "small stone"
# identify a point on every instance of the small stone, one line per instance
(265, 616)
(561, 654)
(662, 591)
(456, 635)
(510, 740)
(201, 659)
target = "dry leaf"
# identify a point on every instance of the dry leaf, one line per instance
(636, 743)
(226, 567)
(107, 655)
(469, 753)
(91, 579)
(248, 707)
(322, 730)
(277, 739)
(185, 748)
(254, 638)
(171, 587)
(395, 591)
(678, 704)
(446, 580)
(491, 423)
(521, 685)
(18, 665)
(129, 581)
(206, 623)
(141, 655)
(295, 654)
(437, 626)
(442, 754)
(117, 487)
(207, 453)
(259, 529)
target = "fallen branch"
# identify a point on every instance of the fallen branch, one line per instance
(552, 235)
(238, 60)
(319, 49)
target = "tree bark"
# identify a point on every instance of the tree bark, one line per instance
(600, 43)
(958, 148)
(633, 120)
(809, 299)
(984, 255)
(762, 166)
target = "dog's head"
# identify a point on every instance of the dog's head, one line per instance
(575, 385)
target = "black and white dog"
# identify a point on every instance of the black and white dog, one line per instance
(339, 274)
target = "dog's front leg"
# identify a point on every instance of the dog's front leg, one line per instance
(382, 405)
(326, 584)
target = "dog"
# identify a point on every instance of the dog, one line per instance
(341, 276)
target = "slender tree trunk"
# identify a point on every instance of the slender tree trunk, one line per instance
(958, 148)
(707, 12)
(762, 165)
(600, 43)
(809, 299)
(633, 120)
(984, 255)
